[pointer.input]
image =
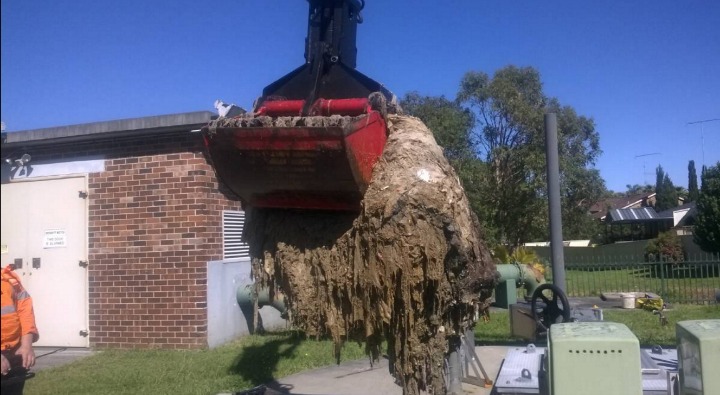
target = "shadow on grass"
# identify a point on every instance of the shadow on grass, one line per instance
(257, 363)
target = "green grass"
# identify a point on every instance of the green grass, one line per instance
(254, 360)
(644, 324)
(243, 364)
(676, 285)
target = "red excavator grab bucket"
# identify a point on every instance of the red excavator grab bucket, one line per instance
(315, 134)
(319, 162)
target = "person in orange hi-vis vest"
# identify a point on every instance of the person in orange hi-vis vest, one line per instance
(18, 333)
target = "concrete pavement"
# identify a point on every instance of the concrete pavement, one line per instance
(359, 378)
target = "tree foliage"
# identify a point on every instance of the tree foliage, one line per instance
(447, 119)
(707, 221)
(666, 195)
(667, 247)
(451, 124)
(693, 191)
(637, 189)
(520, 255)
(659, 177)
(497, 139)
(671, 193)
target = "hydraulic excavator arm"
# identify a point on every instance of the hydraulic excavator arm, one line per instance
(330, 59)
(314, 134)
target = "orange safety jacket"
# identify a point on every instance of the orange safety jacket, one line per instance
(18, 318)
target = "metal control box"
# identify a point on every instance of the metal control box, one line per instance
(698, 345)
(522, 323)
(593, 358)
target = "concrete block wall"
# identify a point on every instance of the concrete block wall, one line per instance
(154, 223)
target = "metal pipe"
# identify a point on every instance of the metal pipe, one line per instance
(245, 298)
(281, 108)
(352, 107)
(522, 274)
(470, 339)
(553, 177)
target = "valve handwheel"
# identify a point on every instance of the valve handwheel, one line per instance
(556, 309)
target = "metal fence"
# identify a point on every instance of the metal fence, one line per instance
(696, 280)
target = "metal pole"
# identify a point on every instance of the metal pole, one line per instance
(553, 176)
(455, 372)
(702, 134)
(702, 141)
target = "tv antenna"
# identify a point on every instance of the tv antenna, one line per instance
(644, 156)
(702, 134)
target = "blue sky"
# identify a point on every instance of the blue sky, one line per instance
(641, 69)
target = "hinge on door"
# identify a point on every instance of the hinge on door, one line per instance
(84, 332)
(83, 263)
(82, 194)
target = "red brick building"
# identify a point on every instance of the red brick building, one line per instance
(155, 266)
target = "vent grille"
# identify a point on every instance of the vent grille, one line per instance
(594, 351)
(233, 246)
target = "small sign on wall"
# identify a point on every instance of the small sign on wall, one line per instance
(54, 238)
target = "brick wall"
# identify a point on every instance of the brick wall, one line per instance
(154, 223)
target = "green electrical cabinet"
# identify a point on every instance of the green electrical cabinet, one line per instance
(593, 358)
(698, 350)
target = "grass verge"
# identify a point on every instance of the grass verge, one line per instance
(674, 285)
(254, 360)
(644, 324)
(240, 365)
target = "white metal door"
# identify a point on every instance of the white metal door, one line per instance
(44, 224)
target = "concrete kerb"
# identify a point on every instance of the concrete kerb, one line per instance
(50, 357)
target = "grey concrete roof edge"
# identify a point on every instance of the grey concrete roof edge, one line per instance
(106, 129)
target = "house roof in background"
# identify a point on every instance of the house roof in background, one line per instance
(669, 212)
(688, 216)
(600, 209)
(627, 201)
(634, 215)
(648, 214)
